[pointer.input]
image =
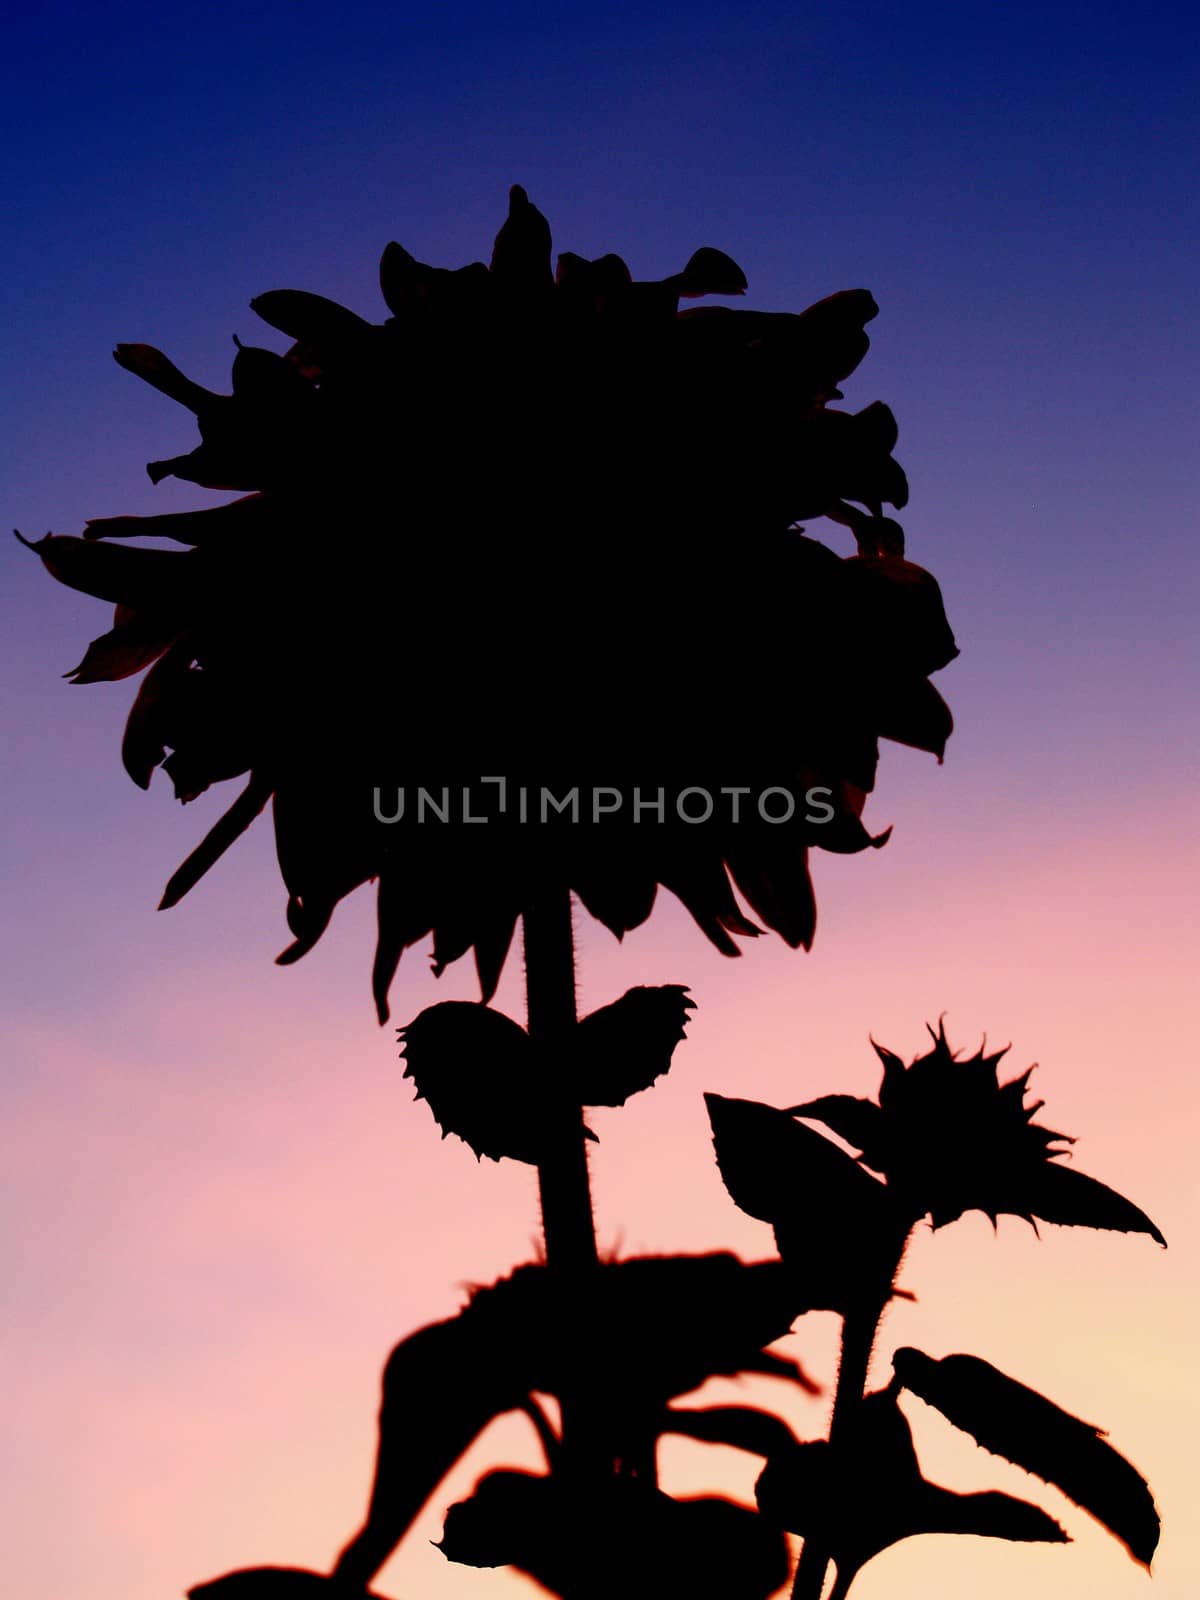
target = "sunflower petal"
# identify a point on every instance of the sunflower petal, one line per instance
(492, 945)
(389, 944)
(149, 364)
(225, 832)
(775, 883)
(308, 920)
(212, 524)
(710, 271)
(141, 579)
(521, 253)
(129, 647)
(309, 317)
(916, 715)
(144, 743)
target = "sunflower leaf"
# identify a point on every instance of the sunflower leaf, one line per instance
(778, 1170)
(740, 1427)
(441, 1387)
(835, 1224)
(859, 1122)
(1059, 1194)
(624, 1047)
(867, 1493)
(1021, 1425)
(482, 1077)
(615, 1536)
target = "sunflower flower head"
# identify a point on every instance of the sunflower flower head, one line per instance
(537, 530)
(949, 1137)
(954, 1138)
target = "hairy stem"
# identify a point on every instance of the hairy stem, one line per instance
(859, 1328)
(563, 1186)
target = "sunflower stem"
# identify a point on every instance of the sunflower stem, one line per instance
(563, 1185)
(860, 1326)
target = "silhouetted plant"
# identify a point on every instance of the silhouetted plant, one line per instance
(573, 509)
(947, 1137)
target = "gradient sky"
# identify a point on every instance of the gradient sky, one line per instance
(220, 1205)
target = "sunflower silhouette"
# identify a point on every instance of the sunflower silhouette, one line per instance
(535, 534)
(949, 1137)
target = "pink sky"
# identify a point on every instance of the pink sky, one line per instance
(228, 1207)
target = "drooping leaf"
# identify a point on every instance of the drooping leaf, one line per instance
(1060, 1194)
(835, 1224)
(991, 1514)
(1017, 1422)
(615, 1536)
(867, 1493)
(644, 1330)
(624, 1047)
(441, 1388)
(482, 1078)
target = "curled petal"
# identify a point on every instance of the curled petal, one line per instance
(310, 317)
(915, 714)
(149, 364)
(709, 271)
